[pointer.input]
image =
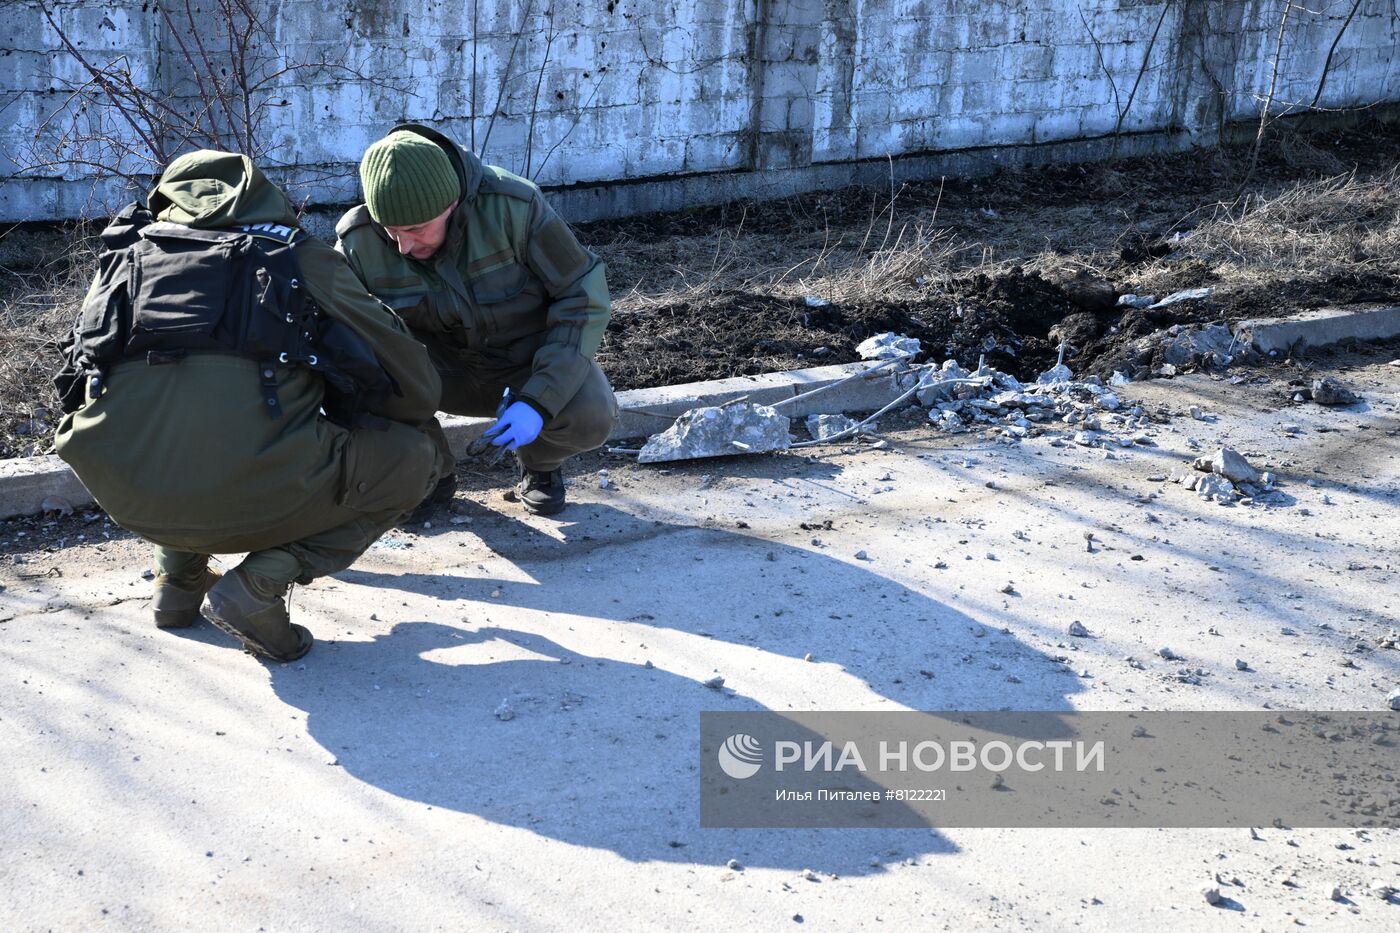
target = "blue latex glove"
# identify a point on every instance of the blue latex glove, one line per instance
(517, 426)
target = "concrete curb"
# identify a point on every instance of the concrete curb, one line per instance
(25, 483)
(1321, 328)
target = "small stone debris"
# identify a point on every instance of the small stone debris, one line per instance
(504, 712)
(808, 657)
(1392, 699)
(1329, 391)
(1241, 665)
(1168, 654)
(861, 555)
(1077, 629)
(809, 875)
(1197, 414)
(815, 301)
(1215, 489)
(648, 665)
(734, 865)
(1232, 465)
(56, 504)
(1212, 895)
(887, 346)
(1285, 630)
(145, 574)
(1136, 301)
(824, 426)
(1007, 588)
(1381, 889)
(1334, 892)
(714, 683)
(1139, 732)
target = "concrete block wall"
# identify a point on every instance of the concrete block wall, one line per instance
(768, 94)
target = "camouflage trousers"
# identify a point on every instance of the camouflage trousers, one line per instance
(385, 474)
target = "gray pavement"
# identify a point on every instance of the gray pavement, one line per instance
(159, 780)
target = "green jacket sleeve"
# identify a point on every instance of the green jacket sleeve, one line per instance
(341, 295)
(579, 307)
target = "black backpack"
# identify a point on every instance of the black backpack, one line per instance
(164, 290)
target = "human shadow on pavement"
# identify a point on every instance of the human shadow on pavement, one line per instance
(604, 753)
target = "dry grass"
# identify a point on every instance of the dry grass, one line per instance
(37, 308)
(1318, 229)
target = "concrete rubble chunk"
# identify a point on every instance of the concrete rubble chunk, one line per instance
(1059, 373)
(1210, 345)
(1186, 294)
(1229, 463)
(1329, 391)
(822, 427)
(1215, 488)
(887, 346)
(948, 421)
(717, 432)
(1136, 301)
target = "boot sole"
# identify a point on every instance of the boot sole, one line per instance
(541, 509)
(255, 646)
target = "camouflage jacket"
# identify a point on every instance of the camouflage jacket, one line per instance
(510, 289)
(187, 453)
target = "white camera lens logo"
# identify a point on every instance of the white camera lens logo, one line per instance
(740, 756)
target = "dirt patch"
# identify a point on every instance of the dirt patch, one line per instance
(1005, 266)
(1010, 318)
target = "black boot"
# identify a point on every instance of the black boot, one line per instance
(260, 622)
(541, 493)
(440, 496)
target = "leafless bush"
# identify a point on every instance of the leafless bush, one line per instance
(120, 121)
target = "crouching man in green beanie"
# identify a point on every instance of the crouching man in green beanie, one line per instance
(510, 306)
(231, 387)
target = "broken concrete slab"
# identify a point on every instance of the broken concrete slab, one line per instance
(26, 482)
(1210, 345)
(1321, 328)
(715, 431)
(887, 346)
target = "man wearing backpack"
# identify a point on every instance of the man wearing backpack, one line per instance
(509, 304)
(231, 387)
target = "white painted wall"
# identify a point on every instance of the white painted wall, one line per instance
(630, 90)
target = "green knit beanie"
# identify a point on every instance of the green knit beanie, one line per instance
(408, 179)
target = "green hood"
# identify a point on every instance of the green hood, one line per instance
(468, 166)
(219, 189)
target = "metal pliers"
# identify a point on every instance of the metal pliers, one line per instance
(483, 443)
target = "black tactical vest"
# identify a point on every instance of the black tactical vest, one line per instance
(165, 290)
